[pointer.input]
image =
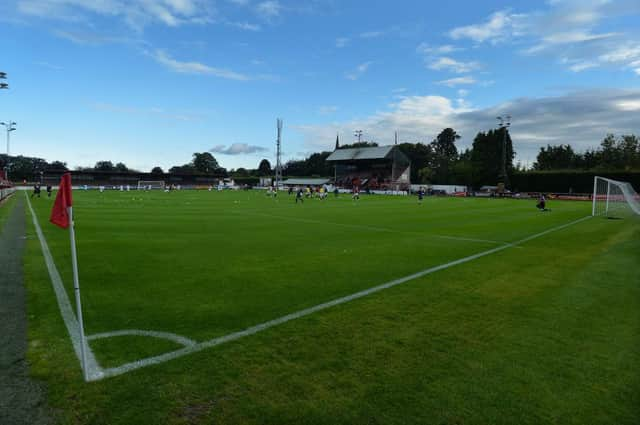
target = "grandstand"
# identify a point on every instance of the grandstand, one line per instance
(377, 168)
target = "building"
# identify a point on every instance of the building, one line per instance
(376, 168)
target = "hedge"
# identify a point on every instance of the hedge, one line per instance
(568, 181)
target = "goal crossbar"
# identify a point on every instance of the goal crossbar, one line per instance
(151, 184)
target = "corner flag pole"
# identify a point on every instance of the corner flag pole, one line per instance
(76, 289)
(62, 216)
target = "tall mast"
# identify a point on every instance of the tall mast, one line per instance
(279, 154)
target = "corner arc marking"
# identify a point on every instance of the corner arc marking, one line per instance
(138, 332)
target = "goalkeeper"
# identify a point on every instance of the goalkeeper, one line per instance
(542, 203)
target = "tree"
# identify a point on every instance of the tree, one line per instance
(425, 175)
(23, 167)
(157, 170)
(556, 157)
(610, 157)
(463, 169)
(621, 153)
(589, 160)
(183, 169)
(420, 155)
(445, 154)
(486, 157)
(317, 165)
(630, 148)
(264, 169)
(240, 172)
(360, 145)
(121, 167)
(103, 166)
(295, 168)
(205, 162)
(58, 165)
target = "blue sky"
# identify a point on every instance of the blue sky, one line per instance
(150, 82)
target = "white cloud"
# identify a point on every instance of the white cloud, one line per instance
(453, 82)
(428, 49)
(327, 109)
(559, 40)
(89, 38)
(49, 65)
(568, 28)
(237, 149)
(581, 119)
(136, 13)
(625, 53)
(198, 68)
(415, 117)
(581, 66)
(371, 34)
(575, 37)
(359, 71)
(450, 64)
(341, 42)
(246, 26)
(629, 105)
(500, 26)
(157, 111)
(269, 9)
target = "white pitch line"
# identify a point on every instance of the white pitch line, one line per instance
(376, 229)
(296, 315)
(138, 332)
(94, 371)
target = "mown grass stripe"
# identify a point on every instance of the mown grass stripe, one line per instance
(296, 315)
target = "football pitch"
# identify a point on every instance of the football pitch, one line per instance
(233, 307)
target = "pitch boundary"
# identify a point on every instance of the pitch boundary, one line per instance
(190, 346)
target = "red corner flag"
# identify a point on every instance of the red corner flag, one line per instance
(59, 213)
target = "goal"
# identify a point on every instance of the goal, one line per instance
(613, 197)
(150, 184)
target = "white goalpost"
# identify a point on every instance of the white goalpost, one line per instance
(613, 197)
(150, 184)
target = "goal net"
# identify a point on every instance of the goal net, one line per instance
(150, 184)
(612, 197)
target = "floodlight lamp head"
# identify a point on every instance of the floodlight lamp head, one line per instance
(4, 86)
(3, 75)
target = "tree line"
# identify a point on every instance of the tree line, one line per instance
(621, 153)
(202, 163)
(438, 162)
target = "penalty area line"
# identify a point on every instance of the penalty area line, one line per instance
(301, 313)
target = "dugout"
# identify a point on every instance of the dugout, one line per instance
(376, 168)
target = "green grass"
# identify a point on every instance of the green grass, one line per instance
(545, 332)
(5, 208)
